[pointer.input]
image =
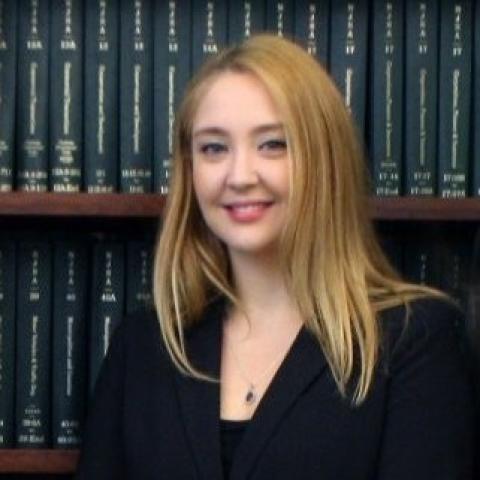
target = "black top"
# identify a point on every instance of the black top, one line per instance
(231, 433)
(148, 421)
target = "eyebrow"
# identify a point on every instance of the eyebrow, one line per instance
(220, 131)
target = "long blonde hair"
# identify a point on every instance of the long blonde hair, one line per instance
(334, 266)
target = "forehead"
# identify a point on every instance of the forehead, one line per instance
(235, 100)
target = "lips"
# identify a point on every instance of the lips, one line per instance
(247, 211)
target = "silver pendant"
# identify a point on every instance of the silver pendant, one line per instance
(251, 397)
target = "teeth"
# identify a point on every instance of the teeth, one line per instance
(246, 208)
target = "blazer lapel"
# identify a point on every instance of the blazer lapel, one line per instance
(200, 400)
(302, 365)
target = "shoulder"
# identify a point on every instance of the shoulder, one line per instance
(424, 327)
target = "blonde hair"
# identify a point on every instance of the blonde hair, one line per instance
(333, 264)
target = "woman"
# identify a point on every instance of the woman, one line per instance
(283, 344)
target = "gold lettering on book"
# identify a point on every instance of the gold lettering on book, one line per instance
(137, 115)
(350, 37)
(101, 110)
(32, 119)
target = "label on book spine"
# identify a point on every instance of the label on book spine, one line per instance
(422, 17)
(33, 345)
(245, 19)
(455, 97)
(101, 96)
(136, 107)
(8, 67)
(69, 343)
(348, 55)
(66, 96)
(139, 275)
(172, 55)
(209, 29)
(312, 23)
(7, 342)
(107, 302)
(279, 18)
(387, 101)
(32, 95)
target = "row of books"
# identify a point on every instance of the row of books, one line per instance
(60, 301)
(89, 88)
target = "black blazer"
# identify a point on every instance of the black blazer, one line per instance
(148, 421)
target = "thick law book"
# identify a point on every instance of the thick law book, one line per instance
(209, 29)
(69, 369)
(7, 341)
(386, 101)
(33, 353)
(245, 19)
(421, 76)
(280, 18)
(8, 70)
(476, 107)
(348, 55)
(172, 62)
(455, 84)
(66, 96)
(32, 95)
(107, 301)
(101, 96)
(312, 24)
(136, 94)
(139, 275)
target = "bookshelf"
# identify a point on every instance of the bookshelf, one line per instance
(38, 461)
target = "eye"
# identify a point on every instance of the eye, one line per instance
(212, 148)
(274, 145)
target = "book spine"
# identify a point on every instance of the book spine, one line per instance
(107, 302)
(209, 29)
(348, 55)
(101, 96)
(139, 276)
(32, 95)
(279, 18)
(245, 19)
(8, 67)
(69, 343)
(454, 98)
(33, 345)
(421, 96)
(386, 119)
(7, 342)
(312, 23)
(476, 108)
(172, 55)
(136, 111)
(66, 96)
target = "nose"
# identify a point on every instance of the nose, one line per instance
(242, 169)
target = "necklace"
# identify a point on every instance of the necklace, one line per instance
(251, 396)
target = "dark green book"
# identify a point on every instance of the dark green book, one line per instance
(280, 18)
(245, 19)
(101, 96)
(312, 24)
(8, 70)
(139, 275)
(66, 96)
(348, 55)
(69, 367)
(209, 29)
(107, 301)
(33, 355)
(421, 76)
(476, 107)
(32, 95)
(172, 57)
(386, 101)
(7, 342)
(454, 98)
(136, 87)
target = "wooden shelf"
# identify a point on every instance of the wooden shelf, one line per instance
(81, 205)
(38, 461)
(426, 209)
(117, 205)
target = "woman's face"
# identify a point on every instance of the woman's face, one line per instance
(240, 164)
